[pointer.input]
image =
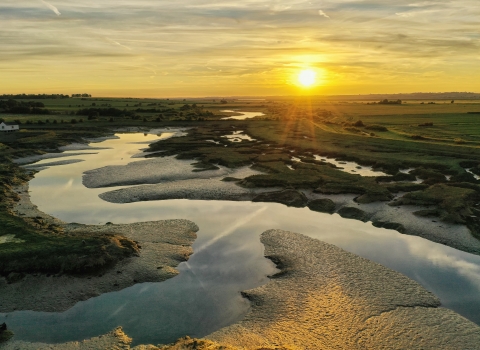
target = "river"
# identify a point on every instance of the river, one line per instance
(228, 256)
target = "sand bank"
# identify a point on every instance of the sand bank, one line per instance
(115, 340)
(42, 166)
(327, 298)
(156, 170)
(38, 157)
(164, 244)
(323, 298)
(454, 235)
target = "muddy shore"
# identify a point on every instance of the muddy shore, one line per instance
(322, 298)
(167, 177)
(164, 244)
(360, 307)
(327, 298)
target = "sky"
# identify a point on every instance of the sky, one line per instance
(165, 48)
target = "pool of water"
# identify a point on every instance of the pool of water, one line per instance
(474, 175)
(351, 167)
(238, 136)
(243, 115)
(228, 258)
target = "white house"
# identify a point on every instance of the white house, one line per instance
(7, 127)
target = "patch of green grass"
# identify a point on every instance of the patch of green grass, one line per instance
(46, 248)
(454, 203)
(56, 252)
(322, 178)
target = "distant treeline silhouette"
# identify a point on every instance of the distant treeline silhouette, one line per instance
(81, 95)
(21, 107)
(32, 96)
(390, 102)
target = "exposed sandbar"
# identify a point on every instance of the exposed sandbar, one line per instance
(327, 298)
(454, 235)
(39, 167)
(39, 157)
(164, 244)
(154, 171)
(201, 189)
(323, 298)
(114, 340)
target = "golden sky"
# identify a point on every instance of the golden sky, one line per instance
(165, 48)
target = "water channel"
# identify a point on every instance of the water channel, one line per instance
(228, 256)
(243, 115)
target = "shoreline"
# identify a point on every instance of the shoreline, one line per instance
(323, 298)
(327, 298)
(156, 262)
(379, 213)
(156, 179)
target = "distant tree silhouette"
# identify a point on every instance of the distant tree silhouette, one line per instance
(387, 102)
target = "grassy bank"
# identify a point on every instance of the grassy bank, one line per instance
(49, 250)
(33, 245)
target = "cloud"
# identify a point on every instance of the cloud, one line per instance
(51, 7)
(321, 13)
(117, 43)
(252, 43)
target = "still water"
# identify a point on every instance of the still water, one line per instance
(243, 115)
(228, 257)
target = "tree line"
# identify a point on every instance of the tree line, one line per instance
(33, 96)
(21, 107)
(81, 95)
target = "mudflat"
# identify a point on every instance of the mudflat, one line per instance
(327, 298)
(322, 298)
(163, 245)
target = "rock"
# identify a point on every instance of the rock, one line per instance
(291, 198)
(323, 205)
(353, 213)
(390, 226)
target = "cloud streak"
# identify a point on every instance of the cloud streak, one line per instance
(321, 13)
(118, 44)
(51, 7)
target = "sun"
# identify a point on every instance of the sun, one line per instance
(307, 77)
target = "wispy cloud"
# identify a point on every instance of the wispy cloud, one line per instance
(51, 7)
(321, 13)
(118, 44)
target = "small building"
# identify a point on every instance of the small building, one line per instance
(8, 127)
